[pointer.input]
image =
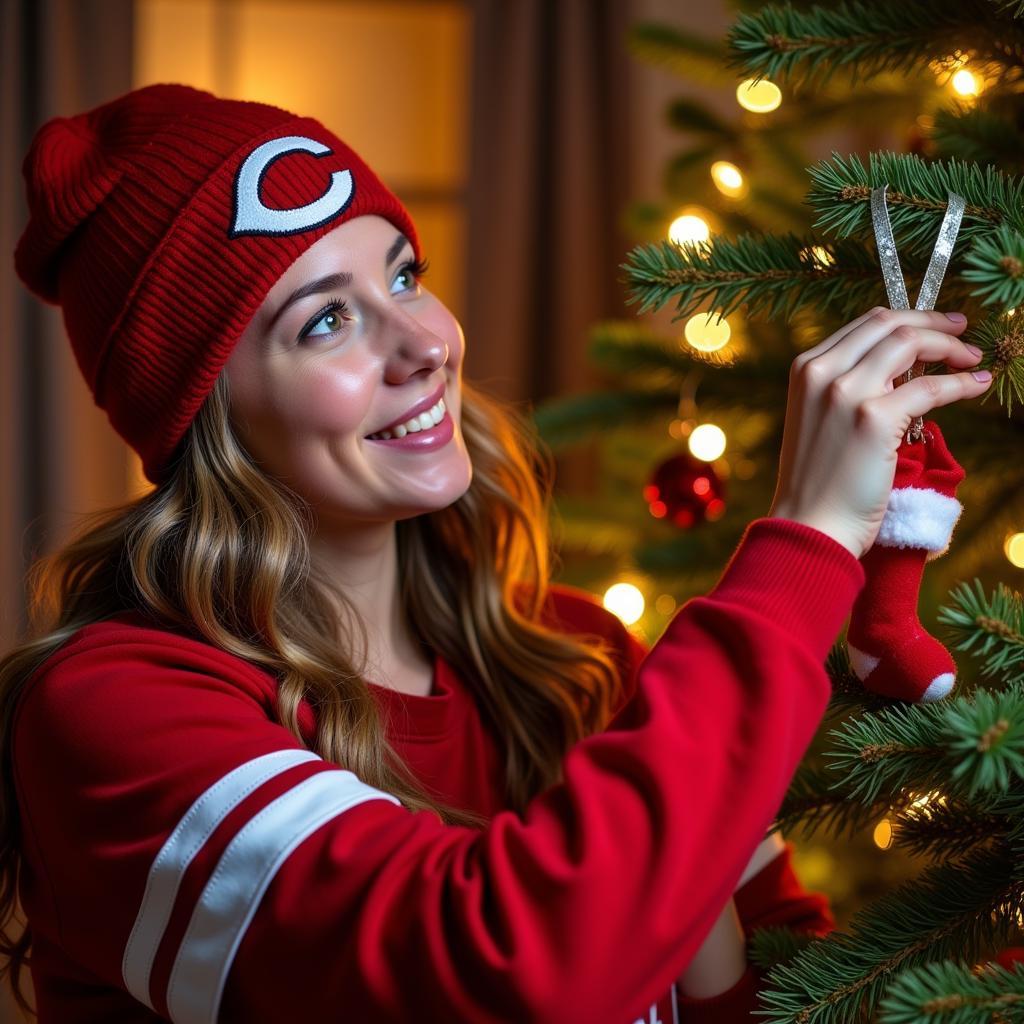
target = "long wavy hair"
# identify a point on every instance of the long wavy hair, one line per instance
(220, 551)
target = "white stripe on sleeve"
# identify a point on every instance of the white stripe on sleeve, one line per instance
(187, 839)
(246, 869)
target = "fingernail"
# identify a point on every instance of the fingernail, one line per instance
(957, 318)
(982, 375)
(974, 349)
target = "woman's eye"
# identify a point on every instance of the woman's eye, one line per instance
(413, 271)
(331, 319)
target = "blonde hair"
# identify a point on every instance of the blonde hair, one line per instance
(220, 551)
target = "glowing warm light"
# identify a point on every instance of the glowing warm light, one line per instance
(883, 834)
(1014, 549)
(1011, 312)
(935, 796)
(706, 333)
(665, 604)
(689, 228)
(759, 97)
(707, 442)
(728, 179)
(625, 601)
(965, 83)
(818, 254)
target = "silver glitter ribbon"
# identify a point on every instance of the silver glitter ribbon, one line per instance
(895, 287)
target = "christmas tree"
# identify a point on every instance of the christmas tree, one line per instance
(788, 266)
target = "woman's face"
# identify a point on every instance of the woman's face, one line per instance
(310, 382)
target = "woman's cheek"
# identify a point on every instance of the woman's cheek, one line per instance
(336, 398)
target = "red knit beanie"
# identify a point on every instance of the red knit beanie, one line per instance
(159, 221)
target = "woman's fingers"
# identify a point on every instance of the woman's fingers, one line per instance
(844, 349)
(837, 336)
(919, 396)
(899, 352)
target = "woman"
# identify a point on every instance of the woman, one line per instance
(305, 734)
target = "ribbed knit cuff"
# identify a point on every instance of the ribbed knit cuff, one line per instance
(796, 576)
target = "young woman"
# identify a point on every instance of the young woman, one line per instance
(306, 733)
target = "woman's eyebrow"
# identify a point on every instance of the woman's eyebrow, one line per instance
(331, 281)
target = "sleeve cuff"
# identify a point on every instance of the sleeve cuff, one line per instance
(795, 575)
(733, 1005)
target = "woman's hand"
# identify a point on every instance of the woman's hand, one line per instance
(845, 418)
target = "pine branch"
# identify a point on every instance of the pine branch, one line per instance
(916, 199)
(568, 421)
(817, 800)
(961, 747)
(691, 57)
(848, 692)
(771, 275)
(622, 348)
(1001, 338)
(988, 735)
(1015, 8)
(689, 115)
(955, 993)
(783, 43)
(944, 828)
(951, 910)
(971, 132)
(995, 626)
(769, 947)
(996, 263)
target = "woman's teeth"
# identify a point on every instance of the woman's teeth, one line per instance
(424, 421)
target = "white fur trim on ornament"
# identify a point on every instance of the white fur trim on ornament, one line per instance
(919, 518)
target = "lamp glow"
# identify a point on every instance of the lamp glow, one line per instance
(707, 442)
(706, 333)
(728, 179)
(625, 601)
(965, 83)
(1014, 549)
(818, 254)
(883, 834)
(758, 97)
(689, 228)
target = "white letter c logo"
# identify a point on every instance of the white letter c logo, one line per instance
(253, 218)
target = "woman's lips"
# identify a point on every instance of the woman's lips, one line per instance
(422, 440)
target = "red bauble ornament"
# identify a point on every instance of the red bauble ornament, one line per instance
(685, 491)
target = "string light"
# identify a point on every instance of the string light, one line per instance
(883, 834)
(625, 601)
(689, 228)
(728, 179)
(758, 97)
(706, 442)
(818, 254)
(965, 83)
(665, 604)
(706, 332)
(1014, 549)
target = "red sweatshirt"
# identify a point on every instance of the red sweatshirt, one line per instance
(186, 858)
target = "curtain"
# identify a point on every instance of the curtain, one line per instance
(548, 183)
(58, 454)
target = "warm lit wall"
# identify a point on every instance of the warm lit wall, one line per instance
(390, 77)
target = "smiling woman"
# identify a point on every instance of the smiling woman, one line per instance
(310, 716)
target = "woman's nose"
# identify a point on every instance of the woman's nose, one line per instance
(415, 347)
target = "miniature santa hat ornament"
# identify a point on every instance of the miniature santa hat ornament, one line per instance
(890, 651)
